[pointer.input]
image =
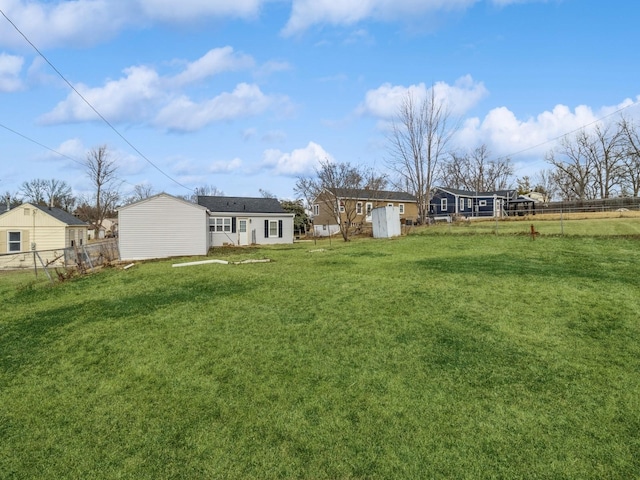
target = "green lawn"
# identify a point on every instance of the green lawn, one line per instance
(428, 356)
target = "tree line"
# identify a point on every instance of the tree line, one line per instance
(598, 162)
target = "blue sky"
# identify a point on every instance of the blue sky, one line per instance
(250, 94)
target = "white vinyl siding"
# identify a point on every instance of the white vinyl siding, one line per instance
(162, 226)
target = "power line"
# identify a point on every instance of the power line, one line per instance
(117, 132)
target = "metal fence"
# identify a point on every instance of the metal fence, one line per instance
(81, 258)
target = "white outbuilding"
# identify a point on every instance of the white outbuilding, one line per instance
(386, 222)
(162, 226)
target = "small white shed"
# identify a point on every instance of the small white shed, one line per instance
(386, 222)
(162, 226)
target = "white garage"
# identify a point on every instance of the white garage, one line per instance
(162, 226)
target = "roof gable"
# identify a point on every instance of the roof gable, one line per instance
(161, 195)
(240, 204)
(370, 194)
(59, 214)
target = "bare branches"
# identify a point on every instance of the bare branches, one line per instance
(475, 171)
(418, 141)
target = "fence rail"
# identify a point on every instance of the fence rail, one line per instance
(83, 258)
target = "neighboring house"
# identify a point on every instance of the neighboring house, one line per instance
(162, 226)
(325, 218)
(111, 227)
(31, 227)
(447, 202)
(247, 221)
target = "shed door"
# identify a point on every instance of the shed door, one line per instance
(243, 231)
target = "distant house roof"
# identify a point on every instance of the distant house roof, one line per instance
(61, 215)
(511, 194)
(369, 194)
(240, 204)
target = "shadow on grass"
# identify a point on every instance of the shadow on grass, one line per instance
(23, 337)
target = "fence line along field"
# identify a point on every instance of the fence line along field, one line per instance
(425, 356)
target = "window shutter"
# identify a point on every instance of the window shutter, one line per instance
(279, 228)
(233, 224)
(266, 229)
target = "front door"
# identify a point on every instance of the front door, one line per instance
(243, 232)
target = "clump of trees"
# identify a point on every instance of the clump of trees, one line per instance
(332, 186)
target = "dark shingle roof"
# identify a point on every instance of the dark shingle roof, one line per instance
(240, 204)
(62, 215)
(366, 194)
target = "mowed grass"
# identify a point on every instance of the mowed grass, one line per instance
(428, 356)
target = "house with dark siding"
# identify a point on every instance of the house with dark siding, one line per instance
(449, 202)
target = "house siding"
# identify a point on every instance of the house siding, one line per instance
(38, 231)
(255, 229)
(162, 226)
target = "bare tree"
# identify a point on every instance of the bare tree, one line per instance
(34, 191)
(141, 191)
(475, 171)
(333, 188)
(630, 140)
(604, 147)
(203, 191)
(418, 141)
(101, 168)
(546, 184)
(266, 193)
(54, 193)
(573, 168)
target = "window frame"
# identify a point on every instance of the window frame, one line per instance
(11, 243)
(443, 204)
(401, 207)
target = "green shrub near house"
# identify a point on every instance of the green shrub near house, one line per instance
(427, 356)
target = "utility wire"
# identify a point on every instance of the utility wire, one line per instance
(90, 105)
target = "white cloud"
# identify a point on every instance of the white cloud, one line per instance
(182, 114)
(185, 10)
(143, 95)
(126, 99)
(301, 161)
(224, 166)
(214, 62)
(306, 13)
(85, 22)
(10, 68)
(384, 101)
(505, 134)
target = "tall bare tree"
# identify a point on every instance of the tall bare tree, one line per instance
(630, 133)
(333, 188)
(419, 139)
(102, 169)
(476, 171)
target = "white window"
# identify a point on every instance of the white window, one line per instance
(469, 203)
(359, 208)
(443, 204)
(369, 208)
(14, 240)
(341, 207)
(461, 204)
(273, 228)
(482, 203)
(389, 204)
(401, 206)
(316, 209)
(220, 225)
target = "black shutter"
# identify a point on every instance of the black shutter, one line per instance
(279, 228)
(233, 224)
(266, 229)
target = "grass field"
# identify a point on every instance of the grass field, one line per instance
(429, 356)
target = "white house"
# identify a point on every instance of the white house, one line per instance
(246, 221)
(162, 226)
